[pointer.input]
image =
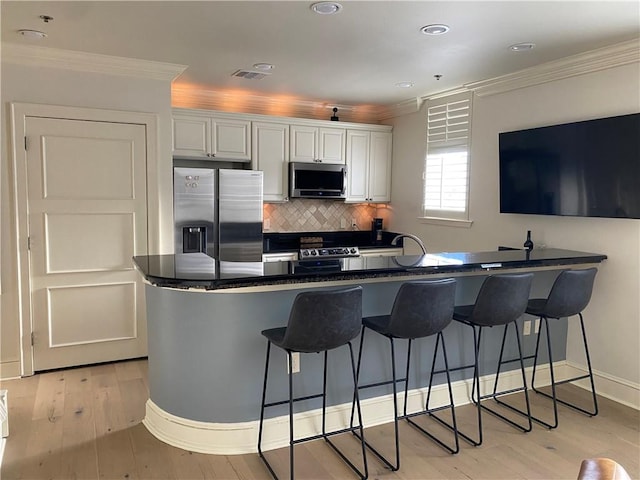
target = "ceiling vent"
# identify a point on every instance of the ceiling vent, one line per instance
(249, 75)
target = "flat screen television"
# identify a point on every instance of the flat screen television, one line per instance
(587, 169)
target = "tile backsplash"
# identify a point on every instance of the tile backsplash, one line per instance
(308, 215)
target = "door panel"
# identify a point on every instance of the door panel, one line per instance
(86, 185)
(111, 308)
(113, 229)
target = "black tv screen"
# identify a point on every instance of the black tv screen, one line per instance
(587, 169)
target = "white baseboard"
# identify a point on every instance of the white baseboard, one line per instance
(238, 438)
(10, 370)
(611, 387)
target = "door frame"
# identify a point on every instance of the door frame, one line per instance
(19, 114)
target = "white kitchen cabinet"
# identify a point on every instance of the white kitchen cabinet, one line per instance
(317, 144)
(270, 153)
(198, 135)
(368, 157)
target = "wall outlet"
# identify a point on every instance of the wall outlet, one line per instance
(295, 362)
(343, 223)
(526, 328)
(354, 224)
(267, 224)
(536, 326)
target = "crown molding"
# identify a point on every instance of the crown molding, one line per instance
(592, 61)
(411, 105)
(35, 56)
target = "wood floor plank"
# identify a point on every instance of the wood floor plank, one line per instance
(194, 466)
(151, 455)
(84, 423)
(79, 455)
(115, 456)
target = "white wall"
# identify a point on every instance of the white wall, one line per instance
(69, 88)
(613, 316)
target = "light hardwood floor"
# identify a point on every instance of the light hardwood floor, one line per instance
(85, 423)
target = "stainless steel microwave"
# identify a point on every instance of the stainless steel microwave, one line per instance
(317, 180)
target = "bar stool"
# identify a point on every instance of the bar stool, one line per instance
(319, 321)
(569, 296)
(502, 299)
(420, 309)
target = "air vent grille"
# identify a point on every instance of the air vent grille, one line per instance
(249, 75)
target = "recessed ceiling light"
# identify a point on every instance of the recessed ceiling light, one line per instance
(263, 66)
(34, 34)
(326, 8)
(435, 29)
(404, 84)
(522, 47)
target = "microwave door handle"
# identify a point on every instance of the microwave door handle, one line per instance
(344, 181)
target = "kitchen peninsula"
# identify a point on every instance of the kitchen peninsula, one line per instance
(206, 352)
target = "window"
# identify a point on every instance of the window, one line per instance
(446, 172)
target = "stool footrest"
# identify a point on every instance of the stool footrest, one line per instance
(504, 392)
(299, 399)
(325, 435)
(380, 384)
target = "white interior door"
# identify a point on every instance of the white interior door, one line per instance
(87, 207)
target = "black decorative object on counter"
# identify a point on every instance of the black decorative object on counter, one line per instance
(334, 117)
(528, 244)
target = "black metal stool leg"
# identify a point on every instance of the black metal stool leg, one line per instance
(495, 395)
(353, 403)
(365, 473)
(291, 442)
(545, 324)
(432, 412)
(589, 375)
(264, 393)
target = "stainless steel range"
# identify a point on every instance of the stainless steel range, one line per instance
(333, 252)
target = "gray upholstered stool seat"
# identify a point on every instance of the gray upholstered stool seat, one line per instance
(420, 309)
(319, 321)
(569, 296)
(502, 299)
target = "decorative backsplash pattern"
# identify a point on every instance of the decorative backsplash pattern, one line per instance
(308, 215)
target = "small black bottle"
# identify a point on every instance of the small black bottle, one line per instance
(528, 244)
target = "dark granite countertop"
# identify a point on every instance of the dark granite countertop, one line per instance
(197, 270)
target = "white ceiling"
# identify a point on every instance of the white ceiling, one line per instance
(352, 58)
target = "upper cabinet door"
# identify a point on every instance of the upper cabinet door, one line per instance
(191, 136)
(270, 146)
(331, 145)
(304, 143)
(357, 166)
(313, 144)
(380, 167)
(205, 136)
(368, 166)
(231, 139)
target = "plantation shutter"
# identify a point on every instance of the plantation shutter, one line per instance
(447, 163)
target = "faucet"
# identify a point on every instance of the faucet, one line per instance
(413, 237)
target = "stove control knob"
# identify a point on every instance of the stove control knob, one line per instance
(313, 252)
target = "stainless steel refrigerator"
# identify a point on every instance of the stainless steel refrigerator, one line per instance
(218, 212)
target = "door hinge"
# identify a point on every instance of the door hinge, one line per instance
(25, 142)
(29, 243)
(32, 339)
